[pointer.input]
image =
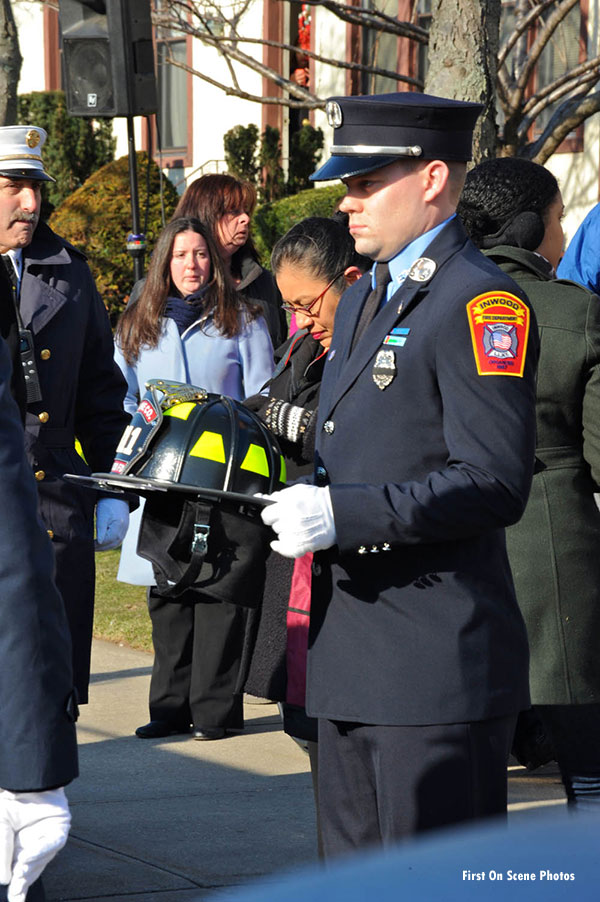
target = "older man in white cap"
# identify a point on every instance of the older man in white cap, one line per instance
(73, 390)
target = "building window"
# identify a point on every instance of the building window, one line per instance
(174, 97)
(423, 20)
(379, 50)
(565, 50)
(172, 91)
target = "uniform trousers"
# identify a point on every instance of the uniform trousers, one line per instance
(378, 784)
(198, 644)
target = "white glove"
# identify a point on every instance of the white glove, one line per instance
(33, 827)
(302, 517)
(112, 520)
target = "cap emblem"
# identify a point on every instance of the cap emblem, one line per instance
(334, 113)
(32, 138)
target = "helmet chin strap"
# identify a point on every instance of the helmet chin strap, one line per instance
(199, 550)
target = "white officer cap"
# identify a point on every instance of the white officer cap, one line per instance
(21, 152)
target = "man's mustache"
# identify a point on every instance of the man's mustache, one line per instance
(24, 217)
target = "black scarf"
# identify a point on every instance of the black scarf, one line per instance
(185, 311)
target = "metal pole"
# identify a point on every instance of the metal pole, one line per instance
(136, 242)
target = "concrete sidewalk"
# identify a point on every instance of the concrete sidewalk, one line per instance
(171, 820)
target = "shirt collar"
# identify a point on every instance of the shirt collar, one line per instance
(402, 262)
(16, 257)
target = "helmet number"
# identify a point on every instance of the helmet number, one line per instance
(128, 440)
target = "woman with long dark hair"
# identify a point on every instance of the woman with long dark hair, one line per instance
(512, 209)
(190, 325)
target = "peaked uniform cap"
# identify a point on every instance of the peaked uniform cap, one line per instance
(21, 152)
(376, 129)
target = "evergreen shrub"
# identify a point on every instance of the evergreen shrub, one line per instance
(76, 146)
(97, 219)
(272, 220)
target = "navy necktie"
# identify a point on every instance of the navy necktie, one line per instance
(373, 301)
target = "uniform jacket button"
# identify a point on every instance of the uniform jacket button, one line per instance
(321, 474)
(50, 533)
(328, 426)
(316, 568)
(39, 475)
(44, 416)
(362, 550)
(374, 549)
(45, 354)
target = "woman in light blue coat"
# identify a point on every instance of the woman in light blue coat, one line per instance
(190, 325)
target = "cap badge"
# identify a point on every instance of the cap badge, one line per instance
(32, 138)
(384, 369)
(422, 269)
(334, 113)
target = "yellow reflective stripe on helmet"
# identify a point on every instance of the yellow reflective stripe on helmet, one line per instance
(283, 470)
(209, 446)
(181, 411)
(256, 461)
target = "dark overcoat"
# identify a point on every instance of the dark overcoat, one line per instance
(554, 549)
(37, 707)
(82, 397)
(414, 618)
(297, 379)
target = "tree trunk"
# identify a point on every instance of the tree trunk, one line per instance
(11, 64)
(463, 49)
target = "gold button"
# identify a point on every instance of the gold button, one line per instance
(39, 475)
(50, 533)
(44, 416)
(45, 354)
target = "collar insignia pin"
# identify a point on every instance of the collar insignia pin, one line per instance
(422, 269)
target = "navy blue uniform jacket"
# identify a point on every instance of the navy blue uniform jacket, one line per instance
(414, 618)
(37, 707)
(82, 397)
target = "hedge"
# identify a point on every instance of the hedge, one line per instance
(97, 219)
(273, 220)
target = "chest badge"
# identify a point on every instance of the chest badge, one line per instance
(384, 368)
(422, 269)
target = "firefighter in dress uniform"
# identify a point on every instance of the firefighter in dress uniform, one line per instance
(417, 664)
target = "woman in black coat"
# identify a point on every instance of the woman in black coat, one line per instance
(313, 264)
(512, 209)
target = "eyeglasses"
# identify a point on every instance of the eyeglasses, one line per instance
(307, 309)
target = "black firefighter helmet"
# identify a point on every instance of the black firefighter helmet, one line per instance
(198, 459)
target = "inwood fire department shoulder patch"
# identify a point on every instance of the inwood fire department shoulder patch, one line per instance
(499, 323)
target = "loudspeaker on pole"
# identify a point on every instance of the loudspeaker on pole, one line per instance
(108, 57)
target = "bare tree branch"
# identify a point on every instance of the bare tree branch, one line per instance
(339, 64)
(585, 83)
(521, 28)
(307, 101)
(372, 18)
(566, 119)
(570, 79)
(543, 36)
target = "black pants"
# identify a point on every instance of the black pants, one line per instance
(197, 658)
(574, 731)
(378, 784)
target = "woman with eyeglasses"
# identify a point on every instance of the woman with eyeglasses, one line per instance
(313, 264)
